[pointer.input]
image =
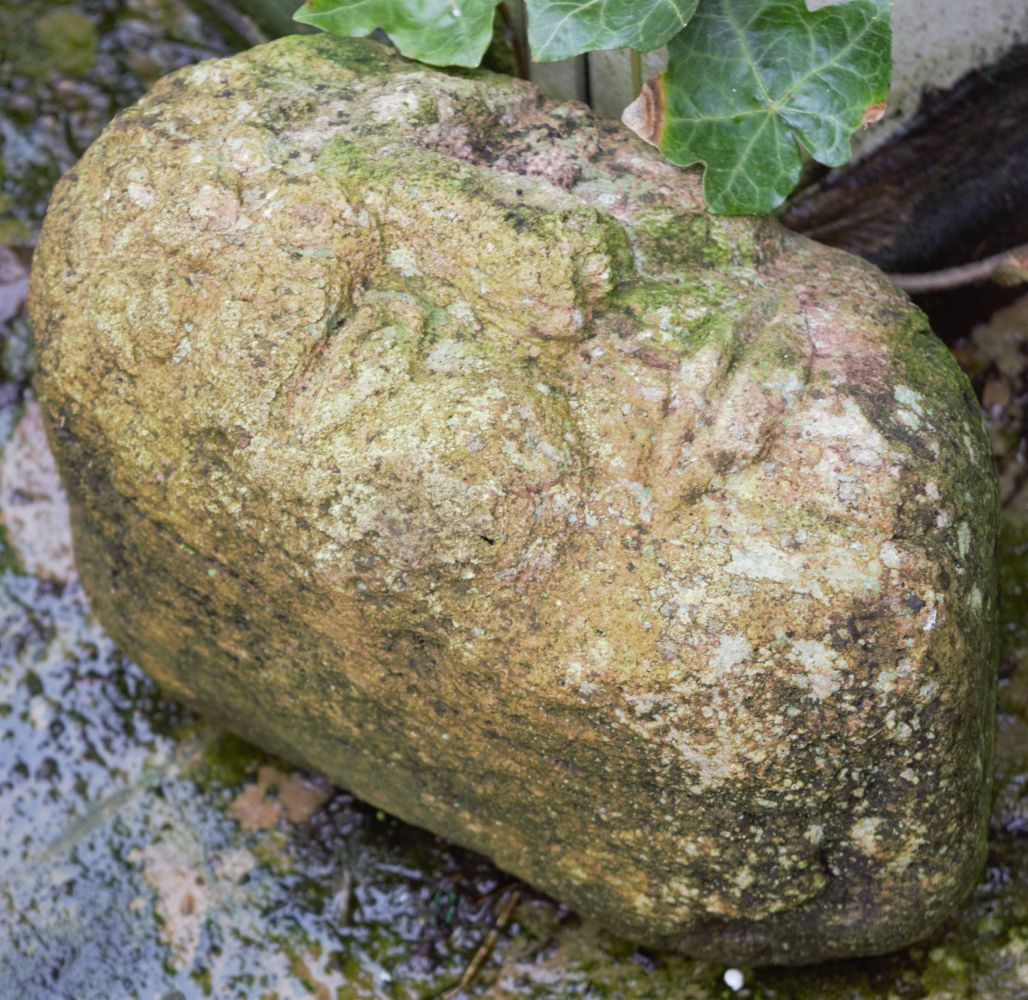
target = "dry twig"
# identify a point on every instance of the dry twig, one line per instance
(505, 912)
(236, 21)
(1007, 268)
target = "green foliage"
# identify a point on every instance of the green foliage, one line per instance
(437, 32)
(559, 29)
(749, 83)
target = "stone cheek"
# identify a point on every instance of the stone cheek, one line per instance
(435, 438)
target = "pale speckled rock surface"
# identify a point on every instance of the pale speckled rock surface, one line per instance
(436, 438)
(33, 508)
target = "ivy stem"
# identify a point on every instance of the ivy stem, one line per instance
(516, 41)
(635, 57)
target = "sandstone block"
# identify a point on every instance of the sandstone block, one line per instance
(435, 437)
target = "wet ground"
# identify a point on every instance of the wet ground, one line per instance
(144, 853)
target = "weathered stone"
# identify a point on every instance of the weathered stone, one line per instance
(435, 437)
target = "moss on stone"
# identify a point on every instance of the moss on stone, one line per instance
(66, 40)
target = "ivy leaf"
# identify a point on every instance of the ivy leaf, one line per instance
(748, 81)
(560, 29)
(437, 32)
